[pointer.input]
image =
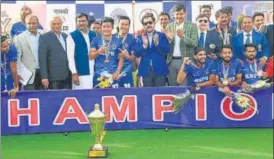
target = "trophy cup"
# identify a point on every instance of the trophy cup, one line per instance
(97, 123)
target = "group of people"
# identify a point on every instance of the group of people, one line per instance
(199, 54)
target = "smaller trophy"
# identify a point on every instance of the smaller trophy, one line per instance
(97, 123)
(107, 53)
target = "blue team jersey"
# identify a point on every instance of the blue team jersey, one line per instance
(100, 64)
(128, 43)
(19, 27)
(233, 70)
(198, 75)
(249, 72)
(6, 74)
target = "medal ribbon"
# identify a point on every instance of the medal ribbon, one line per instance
(225, 71)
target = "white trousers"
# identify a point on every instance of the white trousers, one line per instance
(86, 81)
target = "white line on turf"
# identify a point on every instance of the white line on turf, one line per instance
(235, 151)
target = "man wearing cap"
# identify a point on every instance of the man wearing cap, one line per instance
(9, 77)
(19, 27)
(200, 72)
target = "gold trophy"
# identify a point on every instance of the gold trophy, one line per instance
(97, 123)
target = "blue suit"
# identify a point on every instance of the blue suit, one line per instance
(234, 24)
(153, 63)
(258, 39)
(214, 42)
(211, 25)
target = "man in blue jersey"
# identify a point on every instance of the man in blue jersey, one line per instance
(200, 72)
(251, 69)
(9, 77)
(228, 70)
(105, 50)
(19, 27)
(128, 45)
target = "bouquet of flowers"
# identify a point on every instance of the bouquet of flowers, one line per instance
(259, 85)
(181, 99)
(106, 79)
(242, 101)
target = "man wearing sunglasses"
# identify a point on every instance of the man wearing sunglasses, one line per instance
(152, 46)
(202, 22)
(183, 37)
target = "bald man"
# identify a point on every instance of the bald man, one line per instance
(19, 27)
(53, 61)
(27, 44)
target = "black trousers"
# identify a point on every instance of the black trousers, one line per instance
(64, 84)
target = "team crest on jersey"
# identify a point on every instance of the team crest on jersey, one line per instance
(113, 46)
(149, 10)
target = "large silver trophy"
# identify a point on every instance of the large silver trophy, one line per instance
(97, 123)
(181, 99)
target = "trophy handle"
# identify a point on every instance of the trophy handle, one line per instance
(102, 136)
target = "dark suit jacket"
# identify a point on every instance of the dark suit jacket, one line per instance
(52, 57)
(270, 35)
(258, 39)
(214, 42)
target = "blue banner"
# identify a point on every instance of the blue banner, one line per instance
(129, 108)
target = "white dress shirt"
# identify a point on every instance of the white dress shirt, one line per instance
(176, 50)
(199, 34)
(245, 37)
(61, 40)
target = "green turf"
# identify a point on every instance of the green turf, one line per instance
(146, 144)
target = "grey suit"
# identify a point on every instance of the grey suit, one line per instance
(187, 44)
(26, 56)
(53, 60)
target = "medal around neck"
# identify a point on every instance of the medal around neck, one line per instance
(97, 121)
(225, 82)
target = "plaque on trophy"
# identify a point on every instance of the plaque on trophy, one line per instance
(97, 123)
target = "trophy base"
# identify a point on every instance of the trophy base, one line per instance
(98, 153)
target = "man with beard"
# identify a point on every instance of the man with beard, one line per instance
(19, 27)
(9, 77)
(129, 46)
(228, 70)
(183, 36)
(258, 21)
(78, 45)
(251, 69)
(219, 36)
(200, 72)
(105, 51)
(248, 35)
(152, 47)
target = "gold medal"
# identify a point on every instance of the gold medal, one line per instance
(260, 73)
(225, 81)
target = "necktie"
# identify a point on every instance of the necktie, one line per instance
(201, 40)
(247, 41)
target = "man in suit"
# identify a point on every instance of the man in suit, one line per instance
(152, 46)
(202, 22)
(219, 36)
(206, 9)
(183, 36)
(19, 27)
(53, 57)
(258, 21)
(27, 44)
(269, 35)
(248, 35)
(78, 47)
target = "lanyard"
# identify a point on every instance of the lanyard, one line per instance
(124, 39)
(225, 71)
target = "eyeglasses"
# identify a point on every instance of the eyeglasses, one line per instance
(149, 22)
(205, 21)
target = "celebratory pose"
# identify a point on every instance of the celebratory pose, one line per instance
(105, 50)
(200, 73)
(129, 46)
(152, 47)
(228, 70)
(9, 77)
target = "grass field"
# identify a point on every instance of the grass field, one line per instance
(146, 144)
